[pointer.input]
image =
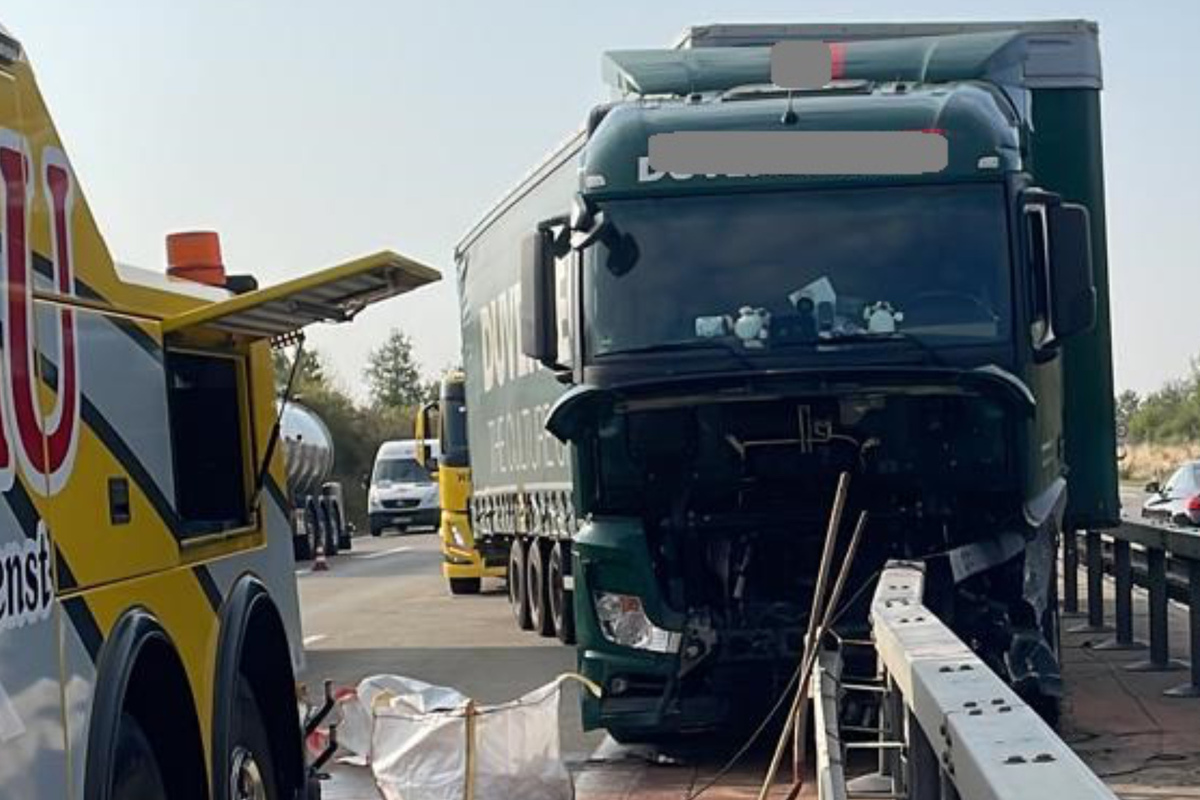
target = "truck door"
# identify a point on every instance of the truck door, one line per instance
(33, 757)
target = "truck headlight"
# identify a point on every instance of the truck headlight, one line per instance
(457, 535)
(623, 621)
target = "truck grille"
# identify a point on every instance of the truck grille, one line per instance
(407, 502)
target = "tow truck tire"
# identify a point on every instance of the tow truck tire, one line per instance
(518, 598)
(135, 771)
(538, 587)
(465, 585)
(250, 757)
(562, 609)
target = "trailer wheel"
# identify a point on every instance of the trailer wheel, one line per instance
(313, 534)
(344, 539)
(331, 539)
(518, 597)
(465, 585)
(302, 547)
(538, 587)
(562, 609)
(135, 770)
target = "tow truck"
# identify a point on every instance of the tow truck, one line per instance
(149, 620)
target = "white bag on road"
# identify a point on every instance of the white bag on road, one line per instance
(426, 742)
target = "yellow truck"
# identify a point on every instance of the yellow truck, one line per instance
(149, 621)
(466, 560)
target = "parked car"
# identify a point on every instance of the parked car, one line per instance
(1177, 501)
(402, 493)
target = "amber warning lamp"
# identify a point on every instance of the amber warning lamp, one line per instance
(196, 256)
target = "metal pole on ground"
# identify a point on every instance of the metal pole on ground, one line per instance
(1192, 689)
(1160, 649)
(1123, 569)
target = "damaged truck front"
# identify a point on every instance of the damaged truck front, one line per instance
(742, 340)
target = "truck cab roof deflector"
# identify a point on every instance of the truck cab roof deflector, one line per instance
(335, 294)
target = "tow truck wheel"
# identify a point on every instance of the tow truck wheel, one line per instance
(538, 587)
(518, 598)
(251, 771)
(136, 775)
(562, 609)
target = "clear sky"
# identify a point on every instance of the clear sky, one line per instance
(310, 132)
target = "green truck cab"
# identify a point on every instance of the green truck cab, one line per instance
(727, 345)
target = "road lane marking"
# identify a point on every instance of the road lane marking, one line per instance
(317, 637)
(382, 553)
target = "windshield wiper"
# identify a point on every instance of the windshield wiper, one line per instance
(680, 346)
(866, 337)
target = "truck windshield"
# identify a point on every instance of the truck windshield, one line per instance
(400, 470)
(757, 271)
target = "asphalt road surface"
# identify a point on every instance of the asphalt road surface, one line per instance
(384, 608)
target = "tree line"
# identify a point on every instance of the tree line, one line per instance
(1168, 416)
(396, 389)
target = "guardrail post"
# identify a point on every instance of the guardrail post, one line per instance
(1160, 648)
(1123, 569)
(1095, 587)
(1070, 573)
(1192, 689)
(924, 771)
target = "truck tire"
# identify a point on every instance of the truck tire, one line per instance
(302, 547)
(518, 598)
(465, 585)
(344, 540)
(331, 539)
(562, 608)
(251, 768)
(313, 522)
(135, 771)
(538, 588)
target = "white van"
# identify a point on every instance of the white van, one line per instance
(402, 494)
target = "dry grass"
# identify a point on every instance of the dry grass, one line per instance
(1144, 462)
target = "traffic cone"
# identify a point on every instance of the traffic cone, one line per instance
(319, 562)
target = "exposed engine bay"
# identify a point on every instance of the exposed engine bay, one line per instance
(734, 493)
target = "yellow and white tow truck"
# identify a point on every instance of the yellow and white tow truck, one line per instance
(149, 622)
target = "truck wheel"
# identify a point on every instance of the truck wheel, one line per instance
(518, 598)
(562, 609)
(302, 548)
(135, 772)
(538, 588)
(251, 770)
(343, 533)
(465, 585)
(331, 539)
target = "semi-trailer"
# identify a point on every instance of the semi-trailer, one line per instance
(718, 346)
(318, 513)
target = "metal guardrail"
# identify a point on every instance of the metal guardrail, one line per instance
(1165, 553)
(951, 727)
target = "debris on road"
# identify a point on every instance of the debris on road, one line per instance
(426, 742)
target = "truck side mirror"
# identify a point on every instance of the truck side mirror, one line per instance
(539, 328)
(421, 428)
(1072, 286)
